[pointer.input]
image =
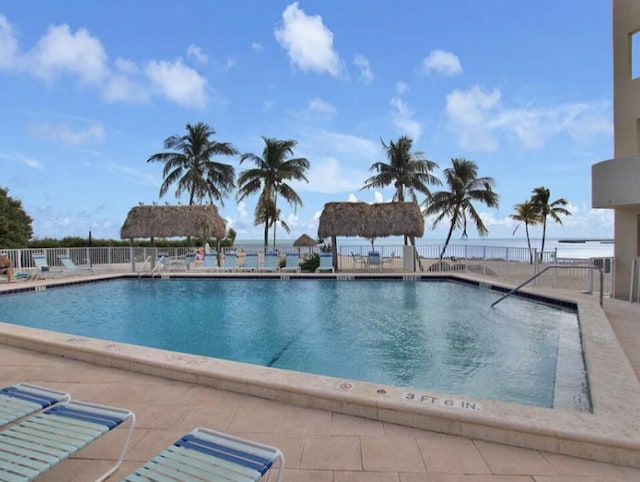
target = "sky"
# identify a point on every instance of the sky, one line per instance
(89, 90)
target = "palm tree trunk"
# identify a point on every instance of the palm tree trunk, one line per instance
(446, 243)
(544, 235)
(275, 220)
(266, 232)
(526, 230)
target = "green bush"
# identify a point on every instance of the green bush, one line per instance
(310, 262)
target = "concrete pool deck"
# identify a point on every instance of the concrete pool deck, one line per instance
(348, 431)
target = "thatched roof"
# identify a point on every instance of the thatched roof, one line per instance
(371, 220)
(304, 241)
(170, 221)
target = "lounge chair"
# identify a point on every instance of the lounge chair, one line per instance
(292, 262)
(359, 261)
(250, 262)
(205, 454)
(326, 263)
(230, 262)
(39, 442)
(188, 259)
(374, 261)
(69, 265)
(210, 262)
(270, 262)
(23, 399)
(40, 260)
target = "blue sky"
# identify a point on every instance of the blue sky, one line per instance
(89, 91)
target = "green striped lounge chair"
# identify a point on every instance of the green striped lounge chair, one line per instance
(205, 454)
(23, 399)
(41, 441)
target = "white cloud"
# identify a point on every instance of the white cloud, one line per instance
(402, 118)
(319, 106)
(177, 82)
(60, 52)
(229, 63)
(63, 134)
(256, 46)
(26, 160)
(441, 62)
(469, 116)
(195, 53)
(120, 88)
(378, 197)
(126, 66)
(402, 87)
(308, 42)
(8, 44)
(366, 75)
(328, 175)
(352, 198)
(479, 120)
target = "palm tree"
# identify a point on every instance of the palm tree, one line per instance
(189, 165)
(456, 204)
(528, 214)
(540, 197)
(268, 177)
(406, 170)
(268, 213)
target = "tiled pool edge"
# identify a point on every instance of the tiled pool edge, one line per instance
(610, 435)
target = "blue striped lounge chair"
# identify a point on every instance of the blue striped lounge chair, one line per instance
(69, 265)
(270, 262)
(326, 263)
(210, 262)
(292, 262)
(23, 399)
(205, 454)
(250, 262)
(38, 443)
(230, 262)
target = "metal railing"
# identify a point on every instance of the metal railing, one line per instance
(553, 266)
(509, 264)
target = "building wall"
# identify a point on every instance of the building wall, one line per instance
(616, 182)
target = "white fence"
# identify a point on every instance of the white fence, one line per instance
(511, 264)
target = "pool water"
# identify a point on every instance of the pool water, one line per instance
(432, 335)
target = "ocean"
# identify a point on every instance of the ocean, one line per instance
(574, 248)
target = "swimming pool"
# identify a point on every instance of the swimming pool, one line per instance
(435, 335)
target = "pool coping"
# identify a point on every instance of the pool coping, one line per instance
(610, 434)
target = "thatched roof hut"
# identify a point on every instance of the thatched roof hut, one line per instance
(304, 241)
(371, 220)
(169, 221)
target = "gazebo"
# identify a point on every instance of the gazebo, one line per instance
(304, 241)
(370, 221)
(169, 221)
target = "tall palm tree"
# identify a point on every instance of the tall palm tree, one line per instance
(540, 197)
(268, 213)
(189, 165)
(465, 187)
(269, 177)
(526, 213)
(407, 171)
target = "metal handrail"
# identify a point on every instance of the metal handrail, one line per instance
(548, 268)
(143, 265)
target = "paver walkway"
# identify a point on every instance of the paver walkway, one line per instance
(319, 446)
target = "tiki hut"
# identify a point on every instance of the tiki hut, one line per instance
(305, 241)
(370, 221)
(170, 221)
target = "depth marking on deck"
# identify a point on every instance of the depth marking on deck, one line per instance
(444, 402)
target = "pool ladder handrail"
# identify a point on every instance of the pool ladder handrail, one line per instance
(548, 268)
(143, 265)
